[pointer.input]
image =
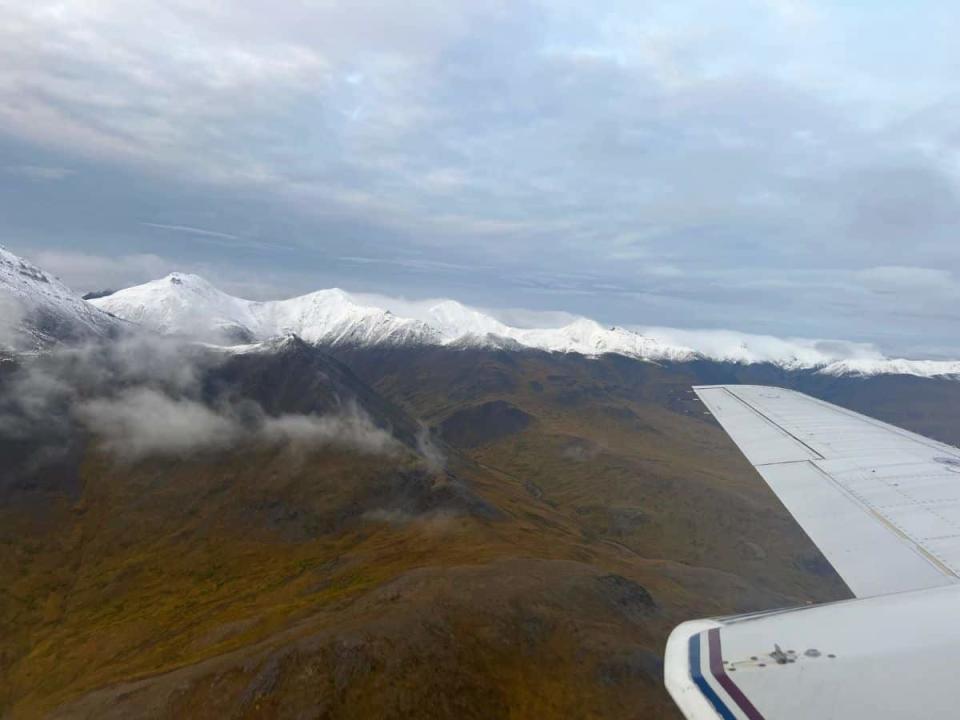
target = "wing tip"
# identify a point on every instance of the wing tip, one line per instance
(677, 675)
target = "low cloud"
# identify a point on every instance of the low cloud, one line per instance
(39, 399)
(143, 422)
(351, 428)
(432, 455)
(145, 396)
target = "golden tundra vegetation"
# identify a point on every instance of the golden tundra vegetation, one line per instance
(585, 507)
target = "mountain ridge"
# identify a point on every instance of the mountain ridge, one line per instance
(37, 310)
(186, 304)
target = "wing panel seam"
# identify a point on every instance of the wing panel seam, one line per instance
(887, 523)
(778, 426)
(905, 434)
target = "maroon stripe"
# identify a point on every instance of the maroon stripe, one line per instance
(716, 667)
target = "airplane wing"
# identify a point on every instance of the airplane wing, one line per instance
(883, 505)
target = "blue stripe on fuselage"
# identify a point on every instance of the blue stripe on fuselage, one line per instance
(701, 682)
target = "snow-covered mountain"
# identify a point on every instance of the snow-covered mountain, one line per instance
(37, 310)
(188, 305)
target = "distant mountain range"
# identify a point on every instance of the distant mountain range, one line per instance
(43, 310)
(188, 305)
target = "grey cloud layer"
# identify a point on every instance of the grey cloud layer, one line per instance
(772, 166)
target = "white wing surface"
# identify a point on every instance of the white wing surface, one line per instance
(881, 503)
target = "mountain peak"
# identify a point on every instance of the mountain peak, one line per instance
(186, 282)
(456, 321)
(189, 279)
(187, 305)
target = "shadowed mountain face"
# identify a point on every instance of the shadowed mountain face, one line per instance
(308, 559)
(289, 376)
(483, 424)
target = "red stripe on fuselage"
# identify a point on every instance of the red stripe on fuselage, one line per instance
(716, 667)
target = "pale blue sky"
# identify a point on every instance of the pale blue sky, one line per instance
(770, 166)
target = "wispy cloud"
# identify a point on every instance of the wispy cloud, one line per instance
(192, 230)
(39, 172)
(415, 264)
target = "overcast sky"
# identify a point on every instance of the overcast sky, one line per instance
(773, 166)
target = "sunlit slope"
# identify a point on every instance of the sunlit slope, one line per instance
(278, 585)
(621, 449)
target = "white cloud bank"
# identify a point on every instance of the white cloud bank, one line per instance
(733, 346)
